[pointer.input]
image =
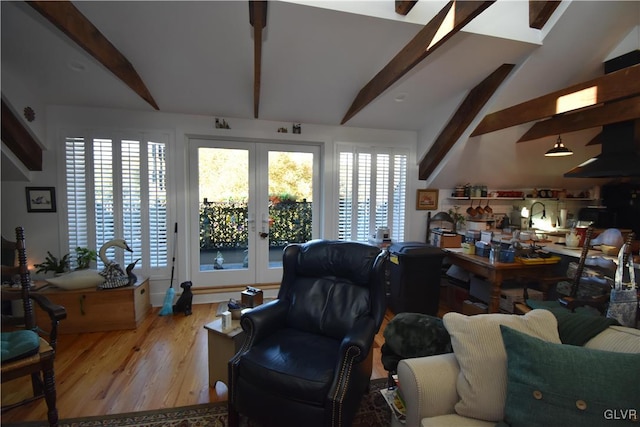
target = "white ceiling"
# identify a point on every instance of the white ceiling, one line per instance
(197, 58)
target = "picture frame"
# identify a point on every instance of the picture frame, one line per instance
(41, 199)
(427, 199)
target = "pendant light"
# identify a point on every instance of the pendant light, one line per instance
(558, 150)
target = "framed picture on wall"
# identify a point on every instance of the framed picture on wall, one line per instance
(427, 199)
(41, 199)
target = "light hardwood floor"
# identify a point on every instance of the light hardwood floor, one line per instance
(161, 364)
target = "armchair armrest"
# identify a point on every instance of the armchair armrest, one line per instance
(264, 320)
(428, 386)
(360, 336)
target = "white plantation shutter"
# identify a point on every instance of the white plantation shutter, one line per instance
(131, 199)
(375, 180)
(104, 205)
(383, 168)
(77, 215)
(157, 203)
(399, 196)
(363, 188)
(345, 207)
(105, 181)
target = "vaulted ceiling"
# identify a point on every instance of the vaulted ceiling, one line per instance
(319, 61)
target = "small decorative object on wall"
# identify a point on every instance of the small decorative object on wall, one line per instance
(427, 199)
(222, 124)
(29, 114)
(41, 199)
(297, 128)
(283, 130)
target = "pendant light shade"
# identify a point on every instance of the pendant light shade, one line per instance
(558, 150)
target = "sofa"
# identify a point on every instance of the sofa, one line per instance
(529, 370)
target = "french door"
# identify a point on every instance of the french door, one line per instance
(248, 200)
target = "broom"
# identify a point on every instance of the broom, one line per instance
(167, 306)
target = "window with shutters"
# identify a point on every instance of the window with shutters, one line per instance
(117, 188)
(372, 192)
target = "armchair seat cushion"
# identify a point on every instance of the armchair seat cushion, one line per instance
(19, 344)
(293, 363)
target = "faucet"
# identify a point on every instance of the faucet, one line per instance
(544, 213)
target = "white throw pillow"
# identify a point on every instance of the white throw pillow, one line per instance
(477, 344)
(616, 338)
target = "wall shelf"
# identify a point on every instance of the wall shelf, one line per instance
(561, 199)
(551, 199)
(486, 198)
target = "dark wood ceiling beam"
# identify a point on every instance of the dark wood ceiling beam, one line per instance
(611, 112)
(19, 140)
(416, 50)
(66, 17)
(404, 6)
(540, 12)
(466, 113)
(610, 87)
(596, 140)
(258, 20)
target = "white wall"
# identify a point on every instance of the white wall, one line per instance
(43, 230)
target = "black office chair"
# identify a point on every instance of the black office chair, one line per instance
(307, 356)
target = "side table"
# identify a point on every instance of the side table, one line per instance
(223, 344)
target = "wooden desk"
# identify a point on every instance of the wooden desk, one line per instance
(495, 273)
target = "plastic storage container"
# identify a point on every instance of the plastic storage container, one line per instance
(415, 271)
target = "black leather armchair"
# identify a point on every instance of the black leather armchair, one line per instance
(307, 356)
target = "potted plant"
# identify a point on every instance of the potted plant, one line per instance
(84, 256)
(51, 263)
(458, 218)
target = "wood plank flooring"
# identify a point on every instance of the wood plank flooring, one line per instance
(161, 364)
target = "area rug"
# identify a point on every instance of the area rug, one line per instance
(373, 412)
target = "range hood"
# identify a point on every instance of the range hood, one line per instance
(620, 155)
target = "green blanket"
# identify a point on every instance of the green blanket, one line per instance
(574, 328)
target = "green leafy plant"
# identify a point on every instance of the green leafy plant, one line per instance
(84, 256)
(51, 263)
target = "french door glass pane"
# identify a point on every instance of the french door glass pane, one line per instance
(290, 201)
(223, 196)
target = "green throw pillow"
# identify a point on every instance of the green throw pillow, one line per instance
(557, 384)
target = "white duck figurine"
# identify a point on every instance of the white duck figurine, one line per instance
(81, 279)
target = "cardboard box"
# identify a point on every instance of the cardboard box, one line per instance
(508, 297)
(468, 248)
(446, 240)
(470, 308)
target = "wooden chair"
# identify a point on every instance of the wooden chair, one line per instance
(574, 300)
(27, 349)
(577, 297)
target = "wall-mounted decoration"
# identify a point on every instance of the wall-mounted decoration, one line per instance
(283, 130)
(41, 199)
(222, 124)
(427, 199)
(297, 128)
(29, 114)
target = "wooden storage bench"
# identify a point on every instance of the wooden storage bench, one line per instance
(94, 310)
